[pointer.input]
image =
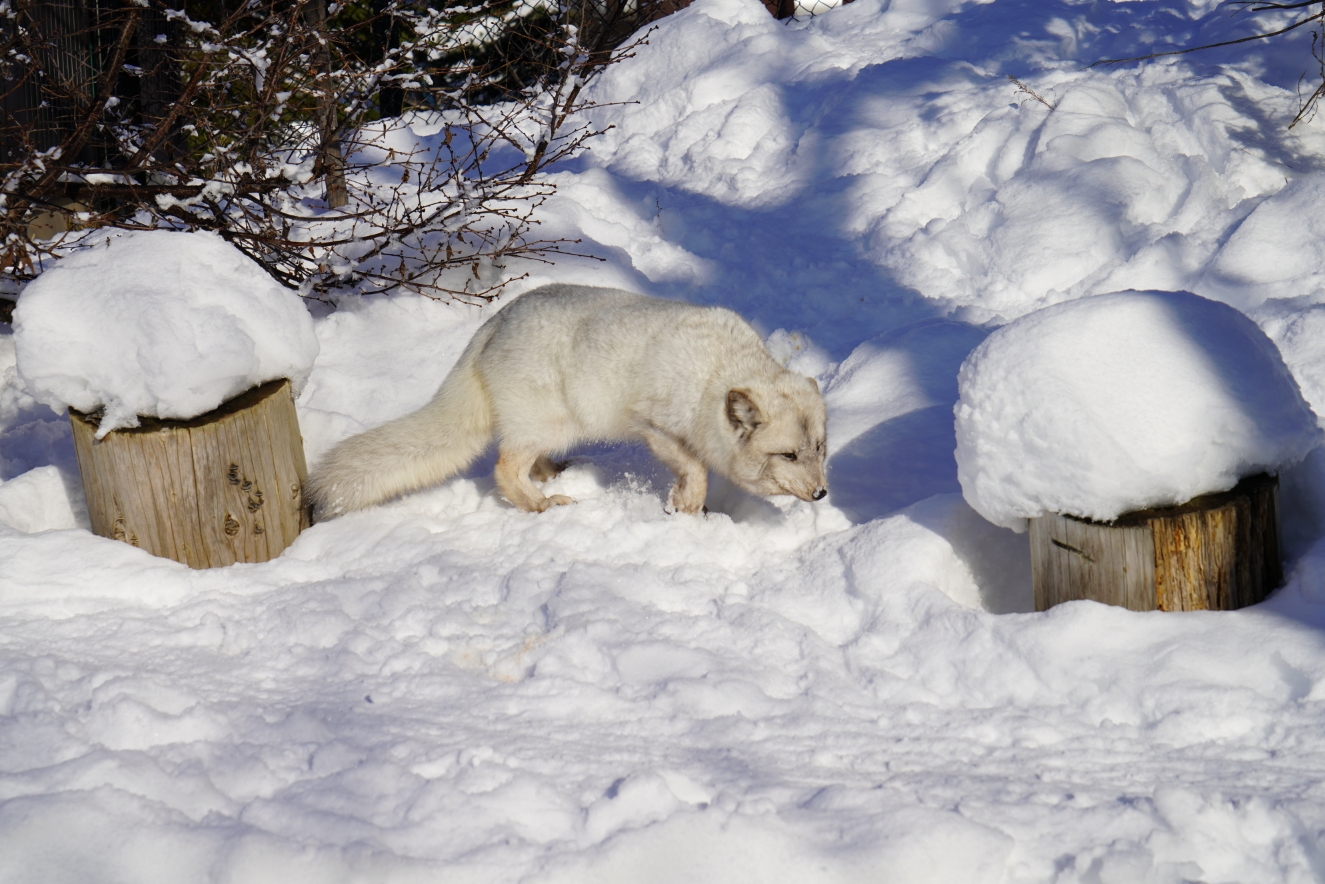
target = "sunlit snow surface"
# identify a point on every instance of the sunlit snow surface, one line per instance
(445, 689)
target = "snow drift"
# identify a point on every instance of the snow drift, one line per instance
(445, 688)
(158, 323)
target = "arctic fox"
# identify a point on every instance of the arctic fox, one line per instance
(567, 364)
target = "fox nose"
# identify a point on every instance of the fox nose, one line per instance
(820, 493)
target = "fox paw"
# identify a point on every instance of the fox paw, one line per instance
(554, 500)
(686, 497)
(691, 507)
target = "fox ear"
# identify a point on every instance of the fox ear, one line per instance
(744, 415)
(813, 383)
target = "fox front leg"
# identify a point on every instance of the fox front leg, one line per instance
(512, 476)
(692, 477)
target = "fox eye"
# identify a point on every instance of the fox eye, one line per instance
(790, 455)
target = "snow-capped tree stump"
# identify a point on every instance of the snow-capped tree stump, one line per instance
(222, 488)
(1216, 552)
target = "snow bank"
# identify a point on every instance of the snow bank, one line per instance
(444, 688)
(1277, 252)
(894, 126)
(1118, 402)
(44, 499)
(1130, 181)
(158, 323)
(1298, 335)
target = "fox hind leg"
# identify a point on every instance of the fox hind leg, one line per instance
(513, 480)
(546, 468)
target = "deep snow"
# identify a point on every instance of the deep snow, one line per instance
(446, 688)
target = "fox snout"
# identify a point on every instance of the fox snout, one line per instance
(810, 485)
(818, 493)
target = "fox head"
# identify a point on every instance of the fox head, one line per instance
(781, 441)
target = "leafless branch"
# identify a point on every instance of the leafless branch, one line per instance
(1023, 88)
(229, 117)
(1294, 26)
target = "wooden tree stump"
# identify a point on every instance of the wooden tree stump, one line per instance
(1216, 552)
(222, 488)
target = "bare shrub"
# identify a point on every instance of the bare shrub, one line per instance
(270, 123)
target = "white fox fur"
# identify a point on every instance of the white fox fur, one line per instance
(567, 364)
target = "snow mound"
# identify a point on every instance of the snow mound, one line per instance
(1277, 252)
(1298, 334)
(158, 323)
(1113, 403)
(44, 499)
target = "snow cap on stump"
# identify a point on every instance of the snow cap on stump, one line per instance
(159, 323)
(1119, 402)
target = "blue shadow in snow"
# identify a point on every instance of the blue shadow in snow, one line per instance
(909, 457)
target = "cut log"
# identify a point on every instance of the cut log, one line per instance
(222, 488)
(1217, 552)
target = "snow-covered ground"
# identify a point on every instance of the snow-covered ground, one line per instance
(445, 688)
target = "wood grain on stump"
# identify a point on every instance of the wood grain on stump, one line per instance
(1216, 552)
(222, 488)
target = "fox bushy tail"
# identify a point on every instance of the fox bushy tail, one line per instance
(410, 452)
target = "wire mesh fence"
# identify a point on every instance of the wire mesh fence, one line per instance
(779, 9)
(811, 8)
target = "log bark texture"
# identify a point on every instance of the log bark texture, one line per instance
(1216, 552)
(222, 488)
